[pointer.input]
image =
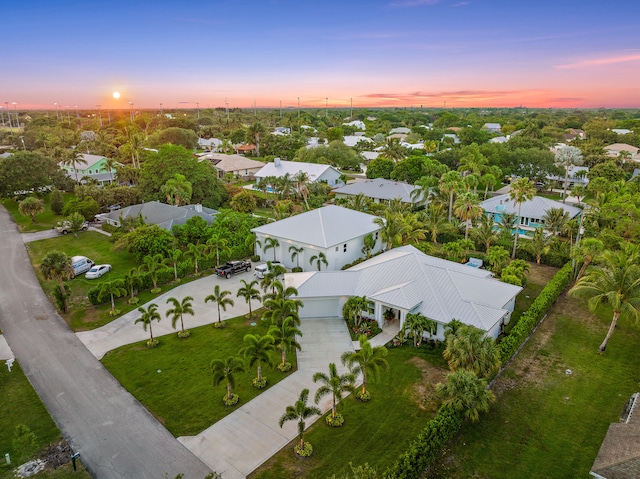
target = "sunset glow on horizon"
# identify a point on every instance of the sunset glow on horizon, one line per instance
(403, 53)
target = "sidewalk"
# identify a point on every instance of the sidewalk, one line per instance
(5, 350)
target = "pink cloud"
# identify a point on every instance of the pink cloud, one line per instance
(596, 62)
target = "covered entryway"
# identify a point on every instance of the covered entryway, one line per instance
(320, 308)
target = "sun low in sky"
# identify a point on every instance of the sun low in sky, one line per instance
(116, 94)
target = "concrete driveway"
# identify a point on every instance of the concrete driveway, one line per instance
(124, 330)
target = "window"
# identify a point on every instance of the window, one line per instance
(377, 235)
(344, 248)
(337, 248)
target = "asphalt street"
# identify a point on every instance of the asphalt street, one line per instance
(116, 437)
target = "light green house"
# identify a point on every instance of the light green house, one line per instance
(94, 166)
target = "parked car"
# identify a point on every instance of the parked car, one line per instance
(262, 269)
(64, 227)
(80, 264)
(97, 271)
(233, 267)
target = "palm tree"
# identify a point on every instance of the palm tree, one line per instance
(555, 219)
(392, 228)
(132, 280)
(152, 264)
(586, 252)
(196, 252)
(147, 317)
(333, 384)
(567, 157)
(368, 361)
(270, 243)
(179, 309)
(471, 349)
(257, 351)
(248, 292)
(538, 245)
(110, 165)
(484, 233)
(450, 183)
(172, 260)
(435, 222)
(73, 158)
(300, 412)
(353, 308)
(284, 338)
(393, 150)
(295, 254)
(135, 144)
(254, 132)
(368, 244)
(302, 180)
(614, 283)
(178, 190)
(113, 289)
(522, 190)
(224, 370)
(416, 324)
(319, 259)
(464, 391)
(220, 298)
(359, 202)
(467, 208)
(57, 266)
(282, 304)
(218, 244)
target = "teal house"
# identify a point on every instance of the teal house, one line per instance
(94, 166)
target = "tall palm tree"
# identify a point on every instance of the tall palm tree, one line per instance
(147, 317)
(450, 183)
(334, 384)
(224, 370)
(393, 150)
(284, 338)
(113, 289)
(586, 252)
(172, 260)
(467, 208)
(484, 233)
(392, 228)
(566, 158)
(135, 144)
(152, 264)
(132, 280)
(416, 324)
(538, 245)
(177, 189)
(110, 165)
(220, 298)
(368, 361)
(522, 190)
(218, 244)
(555, 220)
(302, 181)
(435, 222)
(180, 308)
(57, 266)
(300, 412)
(614, 283)
(464, 391)
(295, 254)
(258, 351)
(248, 292)
(282, 304)
(196, 252)
(73, 158)
(470, 348)
(271, 243)
(319, 259)
(275, 271)
(255, 133)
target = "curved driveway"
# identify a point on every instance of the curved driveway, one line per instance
(116, 436)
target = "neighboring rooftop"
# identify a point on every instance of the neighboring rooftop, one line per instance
(279, 168)
(535, 208)
(228, 163)
(161, 214)
(379, 189)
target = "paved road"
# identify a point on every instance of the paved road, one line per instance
(40, 235)
(117, 437)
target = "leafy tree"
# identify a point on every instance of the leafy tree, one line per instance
(319, 260)
(147, 240)
(76, 222)
(257, 351)
(522, 190)
(471, 349)
(219, 297)
(195, 230)
(410, 169)
(244, 202)
(57, 266)
(224, 370)
(31, 207)
(300, 412)
(26, 171)
(248, 292)
(174, 136)
(333, 384)
(24, 442)
(87, 207)
(147, 317)
(112, 289)
(614, 283)
(368, 361)
(336, 153)
(179, 309)
(538, 245)
(464, 391)
(56, 201)
(152, 264)
(284, 338)
(380, 168)
(567, 157)
(416, 324)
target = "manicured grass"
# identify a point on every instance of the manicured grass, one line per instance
(547, 423)
(21, 405)
(98, 247)
(376, 432)
(44, 221)
(181, 396)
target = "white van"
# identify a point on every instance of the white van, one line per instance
(262, 269)
(81, 264)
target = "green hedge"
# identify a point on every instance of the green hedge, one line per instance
(536, 312)
(427, 446)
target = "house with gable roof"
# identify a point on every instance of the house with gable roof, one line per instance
(94, 166)
(317, 172)
(404, 280)
(335, 231)
(161, 214)
(378, 189)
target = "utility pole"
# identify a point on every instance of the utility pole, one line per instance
(15, 109)
(161, 109)
(8, 113)
(255, 113)
(198, 107)
(131, 111)
(99, 115)
(2, 115)
(326, 107)
(68, 115)
(351, 114)
(298, 107)
(226, 107)
(280, 107)
(77, 114)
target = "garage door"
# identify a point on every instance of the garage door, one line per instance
(319, 308)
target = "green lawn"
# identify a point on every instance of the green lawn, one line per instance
(44, 221)
(547, 423)
(21, 405)
(376, 432)
(98, 247)
(181, 395)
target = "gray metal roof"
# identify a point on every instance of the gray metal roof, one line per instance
(408, 279)
(161, 214)
(281, 167)
(324, 227)
(380, 189)
(535, 208)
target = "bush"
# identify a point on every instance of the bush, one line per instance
(284, 367)
(296, 269)
(255, 258)
(56, 201)
(335, 421)
(529, 319)
(303, 452)
(232, 401)
(259, 384)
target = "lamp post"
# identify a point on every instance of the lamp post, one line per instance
(280, 107)
(15, 109)
(99, 115)
(8, 113)
(131, 111)
(198, 107)
(2, 114)
(161, 109)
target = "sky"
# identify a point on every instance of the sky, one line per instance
(375, 53)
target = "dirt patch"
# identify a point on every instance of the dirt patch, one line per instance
(423, 392)
(541, 274)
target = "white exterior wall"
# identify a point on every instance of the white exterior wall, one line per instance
(332, 177)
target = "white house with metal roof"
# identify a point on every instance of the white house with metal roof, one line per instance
(405, 280)
(532, 212)
(317, 172)
(161, 214)
(335, 231)
(378, 189)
